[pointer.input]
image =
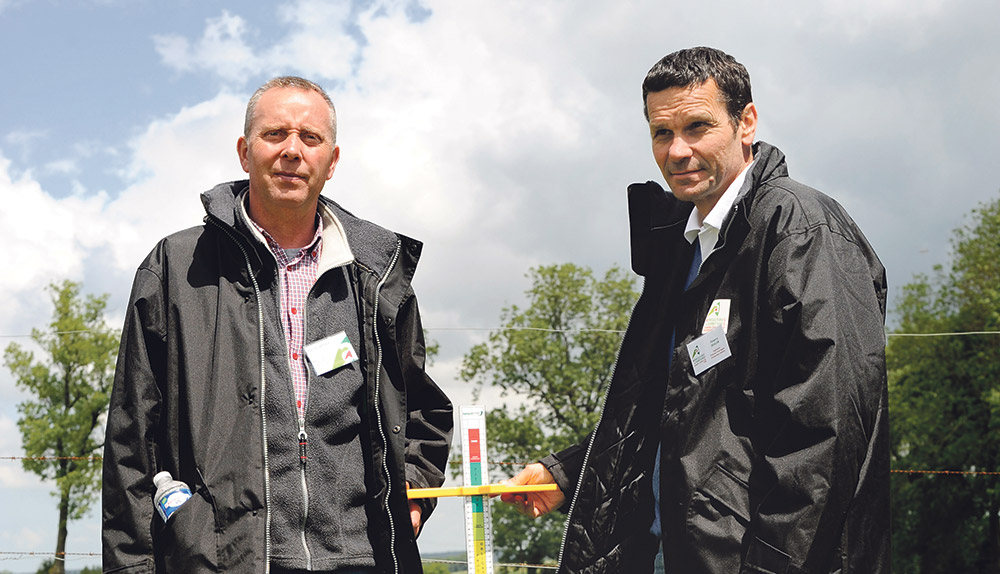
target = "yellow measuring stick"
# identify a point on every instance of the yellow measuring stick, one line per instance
(482, 490)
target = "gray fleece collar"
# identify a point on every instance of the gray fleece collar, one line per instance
(369, 244)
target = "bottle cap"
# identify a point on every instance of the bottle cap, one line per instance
(162, 478)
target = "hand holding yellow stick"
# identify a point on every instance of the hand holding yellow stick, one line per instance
(482, 490)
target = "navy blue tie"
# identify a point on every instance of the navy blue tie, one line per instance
(695, 265)
(656, 529)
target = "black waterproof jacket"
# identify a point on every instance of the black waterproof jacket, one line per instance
(188, 391)
(776, 459)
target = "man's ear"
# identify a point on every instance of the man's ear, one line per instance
(242, 149)
(748, 124)
(333, 164)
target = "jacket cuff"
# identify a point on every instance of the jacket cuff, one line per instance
(565, 477)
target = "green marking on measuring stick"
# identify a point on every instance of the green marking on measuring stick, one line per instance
(478, 518)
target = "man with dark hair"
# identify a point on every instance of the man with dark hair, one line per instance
(273, 360)
(745, 428)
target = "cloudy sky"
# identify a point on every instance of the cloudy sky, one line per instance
(502, 134)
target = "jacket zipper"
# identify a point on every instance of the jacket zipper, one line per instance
(378, 413)
(303, 441)
(593, 435)
(263, 383)
(304, 437)
(723, 232)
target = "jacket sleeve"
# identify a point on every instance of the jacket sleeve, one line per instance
(566, 467)
(820, 413)
(429, 411)
(129, 452)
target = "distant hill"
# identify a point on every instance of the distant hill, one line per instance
(455, 556)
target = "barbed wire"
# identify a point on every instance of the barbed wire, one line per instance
(7, 555)
(77, 332)
(90, 458)
(56, 555)
(456, 462)
(64, 555)
(541, 329)
(956, 334)
(956, 472)
(498, 564)
(547, 330)
(80, 555)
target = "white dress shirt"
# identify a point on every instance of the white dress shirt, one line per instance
(707, 230)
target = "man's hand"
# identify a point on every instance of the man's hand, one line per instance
(415, 517)
(415, 514)
(534, 504)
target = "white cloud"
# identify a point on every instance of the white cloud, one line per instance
(504, 134)
(12, 474)
(418, 119)
(23, 137)
(171, 163)
(175, 159)
(85, 149)
(440, 128)
(175, 51)
(222, 49)
(856, 18)
(317, 45)
(50, 234)
(28, 538)
(4, 4)
(10, 436)
(63, 166)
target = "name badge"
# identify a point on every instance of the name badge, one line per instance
(330, 353)
(708, 350)
(718, 316)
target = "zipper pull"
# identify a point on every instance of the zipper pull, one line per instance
(303, 441)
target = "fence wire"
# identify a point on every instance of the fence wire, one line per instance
(18, 555)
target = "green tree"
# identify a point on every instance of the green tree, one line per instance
(553, 360)
(945, 409)
(61, 424)
(435, 568)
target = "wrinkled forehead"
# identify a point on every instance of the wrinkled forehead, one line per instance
(290, 106)
(685, 101)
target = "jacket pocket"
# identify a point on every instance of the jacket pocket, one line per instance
(718, 517)
(762, 558)
(188, 542)
(144, 566)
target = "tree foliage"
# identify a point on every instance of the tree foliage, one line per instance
(945, 409)
(435, 568)
(61, 423)
(551, 361)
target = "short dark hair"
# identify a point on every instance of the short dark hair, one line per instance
(693, 67)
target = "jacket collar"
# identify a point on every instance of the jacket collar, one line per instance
(371, 246)
(653, 210)
(336, 251)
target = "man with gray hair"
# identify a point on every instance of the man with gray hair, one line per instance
(745, 428)
(273, 360)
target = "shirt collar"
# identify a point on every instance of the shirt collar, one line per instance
(335, 251)
(719, 212)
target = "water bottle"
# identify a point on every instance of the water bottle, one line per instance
(170, 494)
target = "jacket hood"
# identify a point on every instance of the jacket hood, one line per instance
(374, 246)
